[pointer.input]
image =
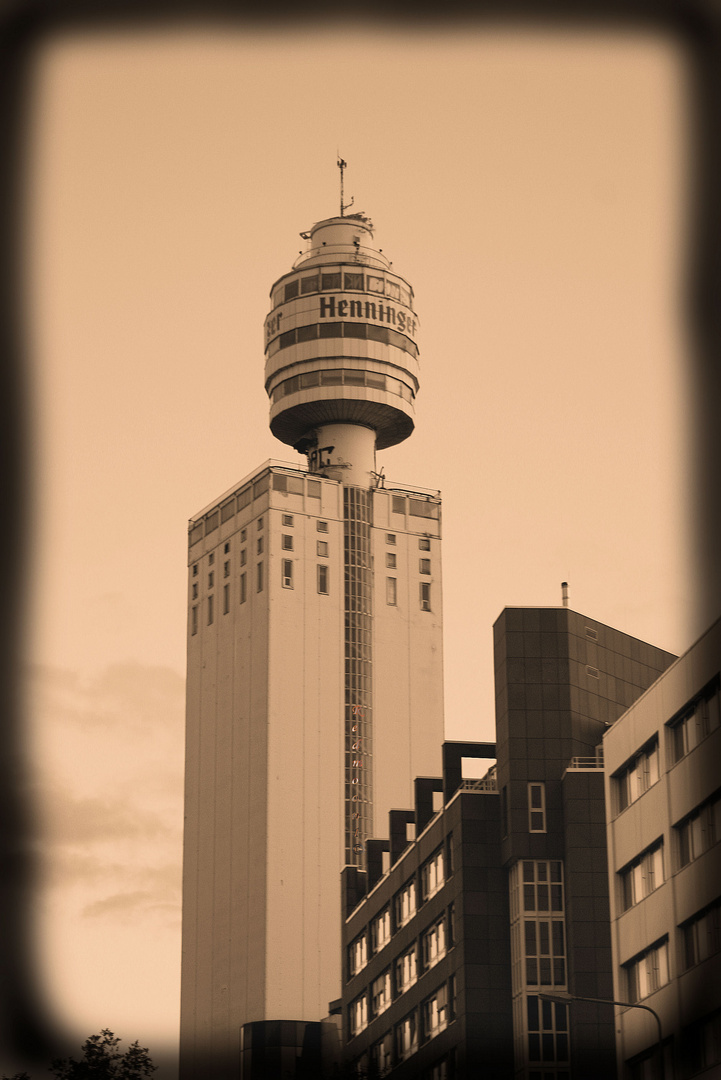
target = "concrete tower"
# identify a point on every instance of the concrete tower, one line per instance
(314, 692)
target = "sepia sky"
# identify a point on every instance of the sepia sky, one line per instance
(531, 189)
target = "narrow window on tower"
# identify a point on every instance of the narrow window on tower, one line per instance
(226, 599)
(322, 548)
(210, 610)
(390, 538)
(243, 556)
(323, 579)
(287, 520)
(226, 549)
(424, 566)
(195, 590)
(259, 524)
(286, 542)
(259, 546)
(259, 577)
(321, 526)
(391, 593)
(243, 589)
(391, 559)
(195, 569)
(537, 808)
(287, 573)
(243, 535)
(226, 568)
(211, 577)
(211, 559)
(194, 620)
(425, 596)
(424, 544)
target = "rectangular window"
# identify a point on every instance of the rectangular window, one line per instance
(243, 535)
(194, 620)
(358, 954)
(287, 520)
(432, 875)
(406, 1037)
(329, 281)
(259, 523)
(425, 596)
(259, 577)
(390, 559)
(405, 903)
(286, 542)
(321, 526)
(435, 1013)
(226, 568)
(537, 808)
(391, 591)
(424, 544)
(211, 613)
(406, 969)
(358, 1014)
(323, 580)
(243, 556)
(211, 558)
(699, 719)
(424, 566)
(381, 930)
(243, 589)
(390, 538)
(699, 831)
(547, 1032)
(702, 935)
(647, 972)
(433, 943)
(226, 599)
(381, 993)
(322, 548)
(313, 489)
(382, 1055)
(195, 569)
(195, 590)
(259, 546)
(211, 579)
(542, 885)
(291, 290)
(287, 573)
(545, 952)
(353, 281)
(642, 876)
(226, 548)
(398, 504)
(637, 776)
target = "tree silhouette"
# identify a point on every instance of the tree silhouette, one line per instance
(101, 1061)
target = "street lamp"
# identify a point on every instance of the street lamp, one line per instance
(566, 999)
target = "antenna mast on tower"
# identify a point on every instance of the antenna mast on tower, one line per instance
(343, 165)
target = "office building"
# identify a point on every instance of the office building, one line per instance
(314, 687)
(663, 797)
(502, 897)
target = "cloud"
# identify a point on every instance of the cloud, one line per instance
(128, 905)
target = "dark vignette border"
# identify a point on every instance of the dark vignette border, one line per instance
(28, 1029)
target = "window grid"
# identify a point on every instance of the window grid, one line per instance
(547, 1031)
(405, 903)
(435, 1012)
(424, 566)
(323, 587)
(381, 930)
(406, 969)
(358, 608)
(286, 542)
(381, 993)
(425, 596)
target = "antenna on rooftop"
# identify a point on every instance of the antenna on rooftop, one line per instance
(564, 593)
(342, 165)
